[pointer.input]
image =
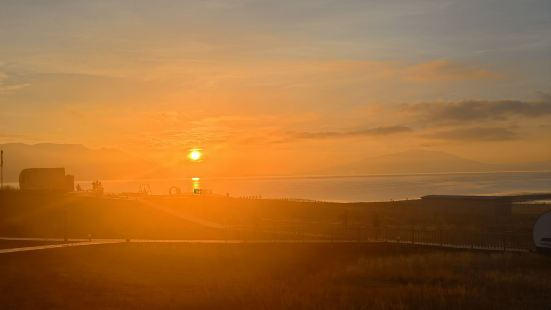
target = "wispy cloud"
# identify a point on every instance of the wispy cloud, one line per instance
(378, 131)
(475, 134)
(13, 137)
(446, 70)
(7, 86)
(477, 110)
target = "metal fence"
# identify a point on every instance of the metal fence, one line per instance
(489, 240)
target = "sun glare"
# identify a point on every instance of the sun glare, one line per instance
(195, 155)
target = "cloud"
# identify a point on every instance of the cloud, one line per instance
(476, 110)
(372, 71)
(445, 70)
(12, 137)
(475, 134)
(378, 131)
(7, 89)
(7, 86)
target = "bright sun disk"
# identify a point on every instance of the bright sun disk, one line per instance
(195, 155)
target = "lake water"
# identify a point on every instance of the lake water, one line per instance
(361, 188)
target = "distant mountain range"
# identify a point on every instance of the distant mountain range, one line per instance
(89, 164)
(84, 163)
(424, 161)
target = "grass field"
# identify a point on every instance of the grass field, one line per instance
(272, 276)
(160, 217)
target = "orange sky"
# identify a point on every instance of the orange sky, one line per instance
(287, 87)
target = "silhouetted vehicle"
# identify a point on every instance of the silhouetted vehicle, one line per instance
(542, 233)
(46, 179)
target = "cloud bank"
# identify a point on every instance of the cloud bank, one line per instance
(477, 110)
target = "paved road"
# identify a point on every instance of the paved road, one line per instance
(86, 242)
(53, 246)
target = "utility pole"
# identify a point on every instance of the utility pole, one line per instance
(1, 169)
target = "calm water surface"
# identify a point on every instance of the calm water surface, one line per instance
(364, 188)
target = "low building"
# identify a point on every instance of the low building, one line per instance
(46, 179)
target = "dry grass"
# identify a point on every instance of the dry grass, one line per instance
(272, 276)
(49, 215)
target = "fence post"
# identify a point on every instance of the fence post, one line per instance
(65, 224)
(441, 238)
(413, 236)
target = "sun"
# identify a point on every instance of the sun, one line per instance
(195, 154)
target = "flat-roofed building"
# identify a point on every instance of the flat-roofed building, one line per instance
(46, 179)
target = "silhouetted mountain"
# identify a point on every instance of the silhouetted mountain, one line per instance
(89, 164)
(419, 161)
(534, 166)
(80, 161)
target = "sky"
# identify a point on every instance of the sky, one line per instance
(281, 86)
